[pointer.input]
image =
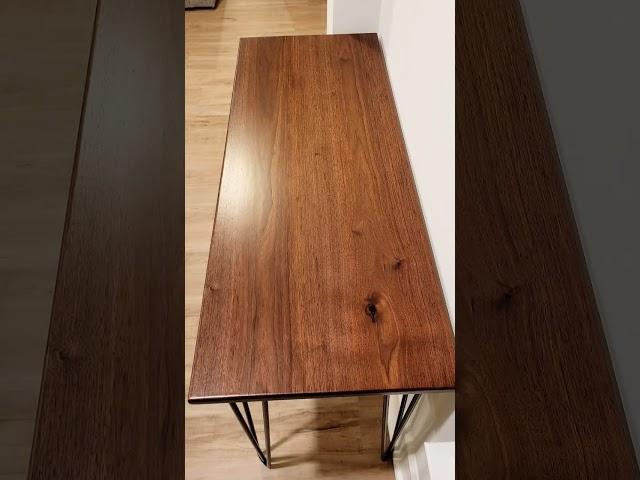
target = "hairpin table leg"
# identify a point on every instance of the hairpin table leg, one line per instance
(250, 431)
(386, 452)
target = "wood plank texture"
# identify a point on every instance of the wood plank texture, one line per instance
(320, 277)
(112, 395)
(536, 395)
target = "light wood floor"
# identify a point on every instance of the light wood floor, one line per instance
(320, 438)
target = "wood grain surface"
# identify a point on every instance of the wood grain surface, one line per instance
(536, 396)
(320, 277)
(112, 395)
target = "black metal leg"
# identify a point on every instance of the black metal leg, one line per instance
(386, 450)
(401, 421)
(247, 413)
(267, 434)
(250, 432)
(383, 436)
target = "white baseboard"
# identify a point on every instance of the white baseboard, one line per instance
(432, 461)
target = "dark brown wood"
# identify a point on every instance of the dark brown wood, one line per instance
(112, 395)
(536, 396)
(320, 277)
(44, 53)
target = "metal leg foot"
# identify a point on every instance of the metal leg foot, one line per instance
(386, 452)
(250, 431)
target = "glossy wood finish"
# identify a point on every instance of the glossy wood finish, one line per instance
(112, 395)
(320, 276)
(536, 396)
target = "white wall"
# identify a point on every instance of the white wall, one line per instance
(418, 40)
(352, 16)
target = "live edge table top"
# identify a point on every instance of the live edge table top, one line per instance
(320, 279)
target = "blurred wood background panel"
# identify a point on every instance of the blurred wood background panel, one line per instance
(44, 54)
(111, 402)
(536, 395)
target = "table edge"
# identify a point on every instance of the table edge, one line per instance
(212, 399)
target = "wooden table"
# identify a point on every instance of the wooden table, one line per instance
(320, 279)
